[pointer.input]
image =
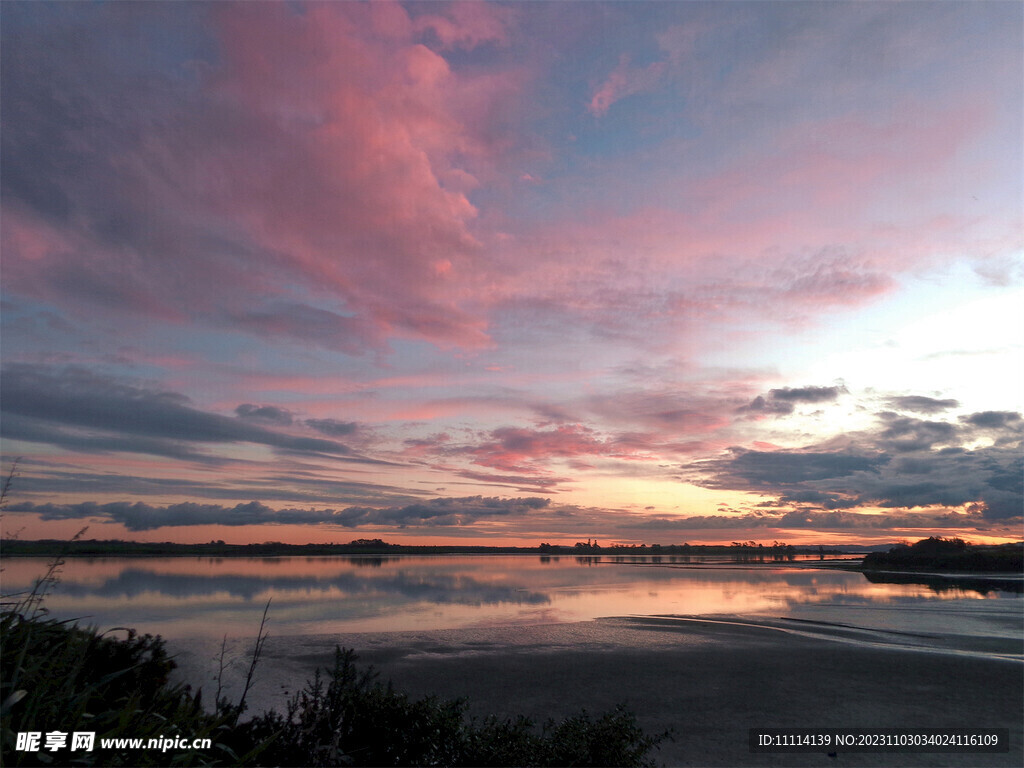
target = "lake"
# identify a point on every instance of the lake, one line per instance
(202, 597)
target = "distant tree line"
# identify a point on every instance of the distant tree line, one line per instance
(939, 554)
(748, 550)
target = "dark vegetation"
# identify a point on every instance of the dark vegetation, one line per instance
(115, 548)
(57, 676)
(353, 719)
(953, 555)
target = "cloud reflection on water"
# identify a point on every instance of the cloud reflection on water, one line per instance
(210, 596)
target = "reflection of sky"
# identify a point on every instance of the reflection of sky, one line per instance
(204, 596)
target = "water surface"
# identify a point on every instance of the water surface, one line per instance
(207, 597)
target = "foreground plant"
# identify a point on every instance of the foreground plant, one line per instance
(56, 676)
(59, 677)
(354, 719)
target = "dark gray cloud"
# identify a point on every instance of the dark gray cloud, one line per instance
(920, 404)
(436, 442)
(995, 420)
(903, 433)
(332, 427)
(782, 402)
(459, 511)
(781, 469)
(79, 113)
(302, 322)
(78, 409)
(266, 414)
(297, 485)
(902, 463)
(139, 516)
(18, 427)
(806, 394)
(552, 414)
(763, 405)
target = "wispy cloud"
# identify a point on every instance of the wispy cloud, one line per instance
(139, 516)
(78, 409)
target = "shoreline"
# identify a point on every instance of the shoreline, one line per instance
(709, 679)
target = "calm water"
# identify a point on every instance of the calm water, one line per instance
(207, 597)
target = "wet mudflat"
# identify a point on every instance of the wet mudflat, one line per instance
(708, 679)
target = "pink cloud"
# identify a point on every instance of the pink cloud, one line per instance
(624, 80)
(536, 483)
(516, 449)
(49, 263)
(826, 214)
(320, 168)
(677, 43)
(345, 200)
(386, 172)
(356, 200)
(532, 452)
(467, 24)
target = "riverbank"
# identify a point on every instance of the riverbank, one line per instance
(708, 679)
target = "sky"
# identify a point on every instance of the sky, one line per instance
(513, 272)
